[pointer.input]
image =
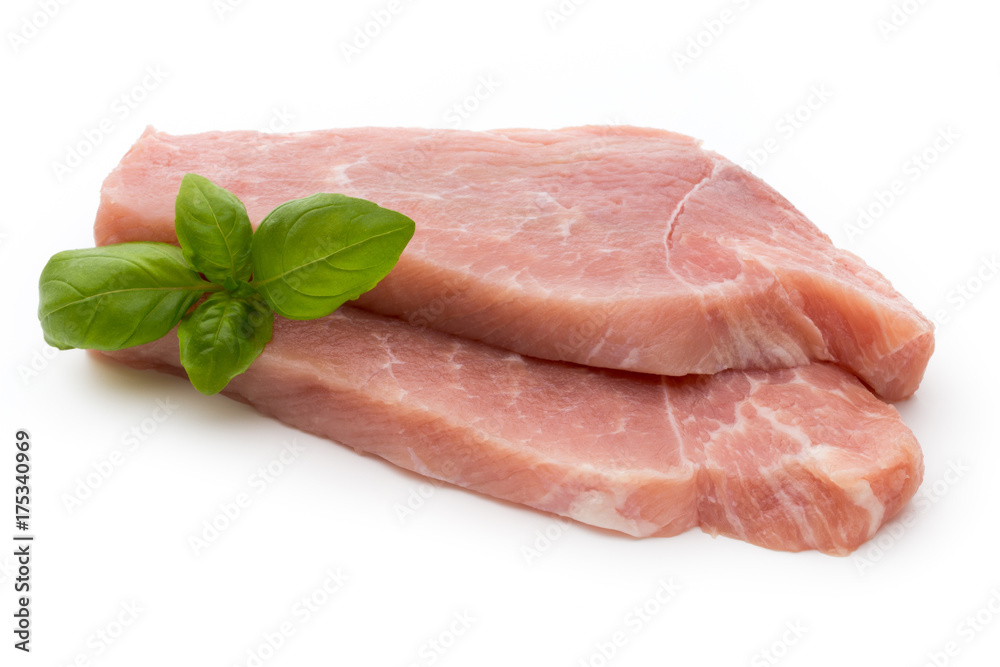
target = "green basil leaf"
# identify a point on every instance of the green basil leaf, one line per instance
(115, 296)
(221, 338)
(311, 255)
(213, 229)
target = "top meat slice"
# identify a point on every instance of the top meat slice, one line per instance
(616, 247)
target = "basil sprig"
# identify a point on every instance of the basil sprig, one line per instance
(116, 296)
(306, 268)
(213, 229)
(305, 260)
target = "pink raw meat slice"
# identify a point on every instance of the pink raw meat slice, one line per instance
(805, 458)
(614, 247)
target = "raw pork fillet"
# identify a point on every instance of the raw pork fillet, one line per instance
(795, 459)
(616, 247)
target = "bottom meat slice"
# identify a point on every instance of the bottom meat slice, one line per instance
(804, 458)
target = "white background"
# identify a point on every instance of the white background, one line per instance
(897, 601)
